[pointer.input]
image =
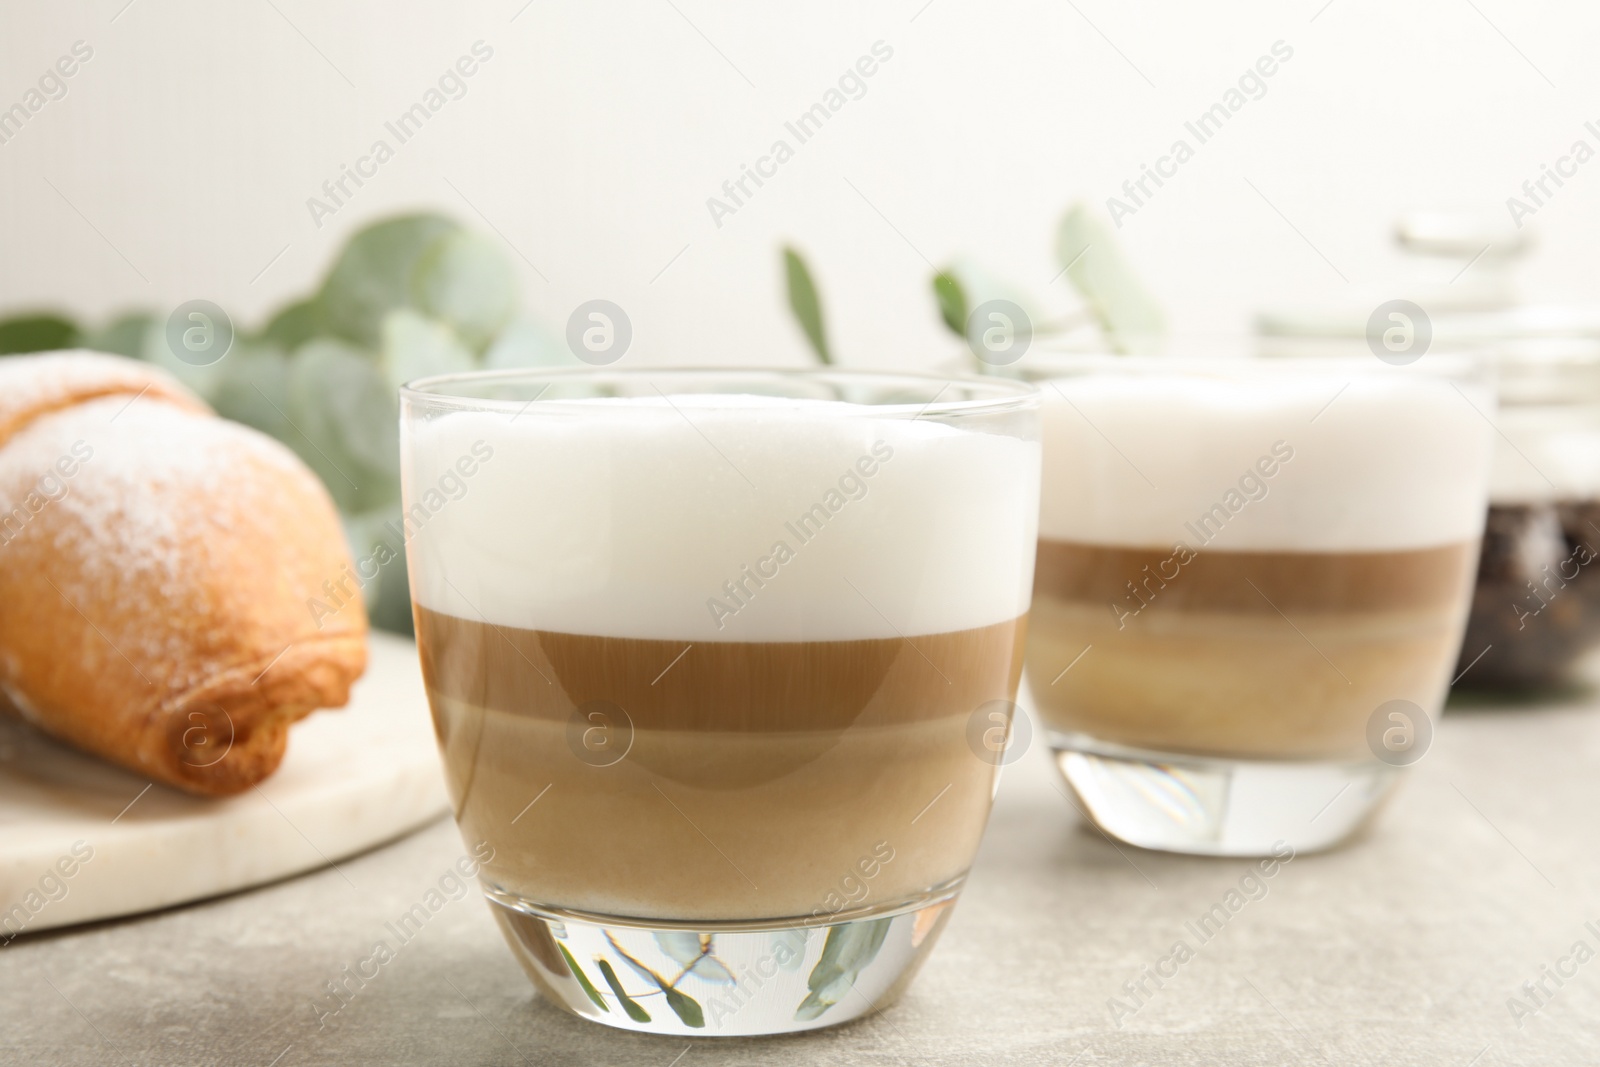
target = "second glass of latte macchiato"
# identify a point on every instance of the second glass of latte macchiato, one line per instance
(711, 657)
(1252, 582)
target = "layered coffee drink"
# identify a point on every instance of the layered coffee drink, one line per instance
(1248, 562)
(714, 658)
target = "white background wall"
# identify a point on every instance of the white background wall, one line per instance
(592, 139)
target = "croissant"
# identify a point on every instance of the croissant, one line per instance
(162, 575)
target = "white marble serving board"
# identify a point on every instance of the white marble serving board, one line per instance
(352, 778)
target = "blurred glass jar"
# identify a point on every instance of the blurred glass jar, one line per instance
(1536, 608)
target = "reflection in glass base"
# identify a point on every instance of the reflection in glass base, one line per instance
(1213, 806)
(706, 979)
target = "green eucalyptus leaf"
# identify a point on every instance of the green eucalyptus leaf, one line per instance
(980, 285)
(377, 544)
(526, 343)
(204, 380)
(694, 953)
(252, 387)
(848, 950)
(344, 417)
(1088, 250)
(583, 979)
(41, 332)
(634, 1009)
(711, 969)
(952, 299)
(805, 303)
(123, 335)
(680, 946)
(294, 325)
(374, 273)
(464, 279)
(415, 346)
(684, 1007)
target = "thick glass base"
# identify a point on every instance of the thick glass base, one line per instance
(723, 978)
(1213, 806)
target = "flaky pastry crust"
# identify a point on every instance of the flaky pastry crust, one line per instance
(156, 568)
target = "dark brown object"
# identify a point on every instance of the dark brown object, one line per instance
(1536, 607)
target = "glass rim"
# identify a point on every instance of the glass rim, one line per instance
(1004, 393)
(1447, 363)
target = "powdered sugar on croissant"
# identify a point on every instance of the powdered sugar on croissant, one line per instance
(155, 567)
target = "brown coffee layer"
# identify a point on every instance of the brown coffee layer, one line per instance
(739, 686)
(1254, 685)
(716, 824)
(749, 781)
(1247, 654)
(1212, 580)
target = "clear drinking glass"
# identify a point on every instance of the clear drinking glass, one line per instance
(1252, 581)
(713, 657)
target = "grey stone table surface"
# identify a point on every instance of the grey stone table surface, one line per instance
(1406, 947)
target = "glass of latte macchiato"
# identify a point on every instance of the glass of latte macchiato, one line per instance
(1251, 587)
(713, 658)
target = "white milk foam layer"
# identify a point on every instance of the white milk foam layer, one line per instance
(1376, 460)
(720, 519)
